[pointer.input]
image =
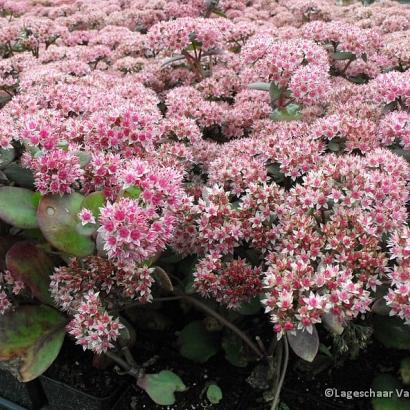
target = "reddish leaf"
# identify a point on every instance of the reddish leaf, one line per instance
(33, 266)
(304, 344)
(30, 339)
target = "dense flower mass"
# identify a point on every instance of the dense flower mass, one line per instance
(92, 326)
(9, 286)
(266, 140)
(230, 283)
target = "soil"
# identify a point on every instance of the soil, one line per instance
(74, 367)
(304, 385)
(303, 390)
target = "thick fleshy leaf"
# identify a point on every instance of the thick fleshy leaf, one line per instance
(57, 218)
(33, 266)
(94, 202)
(332, 323)
(30, 340)
(162, 386)
(176, 57)
(380, 307)
(234, 350)
(290, 113)
(86, 230)
(18, 207)
(343, 55)
(392, 332)
(127, 336)
(402, 152)
(260, 86)
(214, 393)
(274, 91)
(6, 156)
(6, 242)
(162, 279)
(84, 157)
(250, 308)
(304, 344)
(196, 343)
(21, 176)
(132, 192)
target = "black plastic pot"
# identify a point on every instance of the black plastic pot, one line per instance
(28, 395)
(63, 397)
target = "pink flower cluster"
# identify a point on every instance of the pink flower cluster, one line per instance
(175, 36)
(55, 172)
(9, 287)
(133, 234)
(328, 253)
(398, 296)
(92, 327)
(229, 283)
(70, 283)
(286, 189)
(300, 65)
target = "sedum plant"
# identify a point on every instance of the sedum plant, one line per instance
(263, 166)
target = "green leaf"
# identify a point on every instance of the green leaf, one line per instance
(402, 153)
(196, 343)
(334, 146)
(176, 57)
(57, 219)
(6, 156)
(275, 172)
(250, 308)
(343, 55)
(214, 393)
(219, 13)
(274, 91)
(392, 332)
(290, 113)
(332, 323)
(84, 157)
(162, 279)
(63, 144)
(234, 350)
(132, 192)
(36, 199)
(405, 370)
(162, 386)
(30, 339)
(21, 176)
(304, 344)
(380, 307)
(94, 202)
(87, 229)
(127, 335)
(6, 242)
(33, 266)
(17, 207)
(260, 86)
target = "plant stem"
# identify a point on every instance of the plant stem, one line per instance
(283, 373)
(346, 66)
(222, 320)
(128, 356)
(162, 299)
(122, 363)
(167, 299)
